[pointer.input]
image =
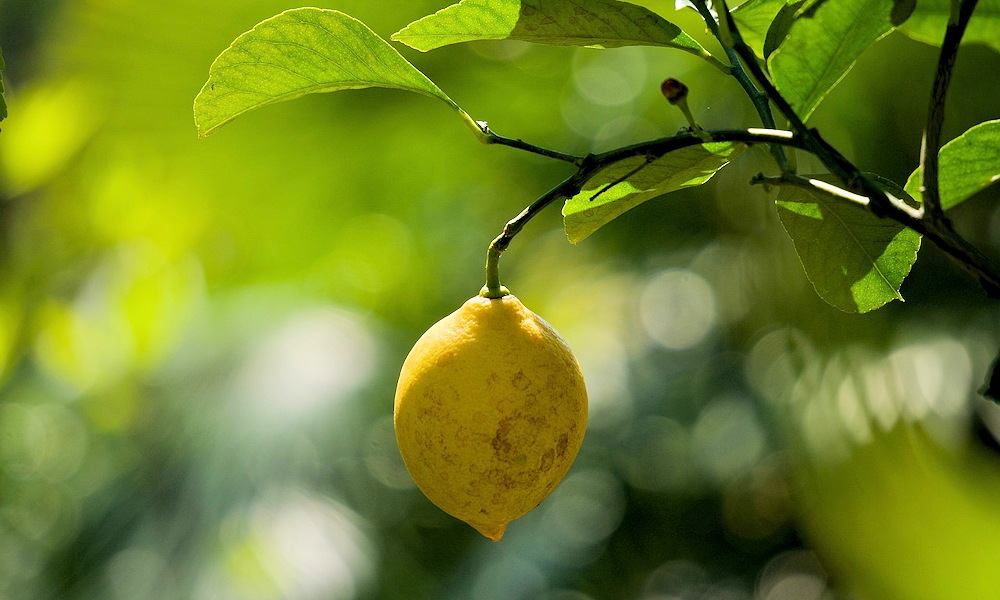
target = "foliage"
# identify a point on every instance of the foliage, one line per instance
(198, 337)
(817, 46)
(882, 251)
(298, 52)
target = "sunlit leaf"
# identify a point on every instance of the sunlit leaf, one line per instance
(930, 18)
(754, 19)
(595, 23)
(628, 183)
(966, 165)
(304, 51)
(855, 260)
(823, 44)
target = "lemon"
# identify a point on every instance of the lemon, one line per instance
(490, 412)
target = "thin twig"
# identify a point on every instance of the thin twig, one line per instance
(593, 163)
(931, 143)
(494, 138)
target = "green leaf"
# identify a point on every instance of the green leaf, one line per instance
(823, 44)
(901, 11)
(3, 103)
(754, 19)
(780, 26)
(628, 183)
(930, 18)
(593, 23)
(304, 51)
(966, 165)
(855, 260)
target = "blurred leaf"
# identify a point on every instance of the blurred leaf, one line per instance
(754, 19)
(628, 183)
(966, 165)
(855, 260)
(991, 387)
(3, 103)
(930, 18)
(594, 23)
(822, 45)
(304, 51)
(906, 516)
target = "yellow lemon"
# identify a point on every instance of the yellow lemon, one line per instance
(490, 412)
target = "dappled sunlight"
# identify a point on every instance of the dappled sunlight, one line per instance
(55, 120)
(795, 575)
(293, 546)
(584, 511)
(728, 438)
(127, 315)
(840, 400)
(46, 442)
(677, 309)
(314, 360)
(611, 79)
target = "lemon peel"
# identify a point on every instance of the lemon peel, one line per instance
(490, 412)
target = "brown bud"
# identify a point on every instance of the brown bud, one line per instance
(673, 90)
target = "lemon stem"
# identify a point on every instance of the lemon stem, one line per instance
(493, 288)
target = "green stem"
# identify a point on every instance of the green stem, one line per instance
(494, 138)
(931, 142)
(739, 73)
(493, 287)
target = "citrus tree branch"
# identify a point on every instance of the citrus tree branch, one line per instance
(589, 165)
(931, 142)
(852, 177)
(757, 96)
(863, 192)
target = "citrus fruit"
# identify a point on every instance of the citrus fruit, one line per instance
(490, 412)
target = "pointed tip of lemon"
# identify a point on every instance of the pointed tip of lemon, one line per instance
(494, 532)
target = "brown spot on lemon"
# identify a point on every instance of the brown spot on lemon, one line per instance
(509, 412)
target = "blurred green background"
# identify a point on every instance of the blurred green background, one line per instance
(199, 339)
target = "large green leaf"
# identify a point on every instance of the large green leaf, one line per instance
(627, 183)
(595, 23)
(754, 19)
(929, 19)
(855, 260)
(304, 51)
(966, 165)
(823, 44)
